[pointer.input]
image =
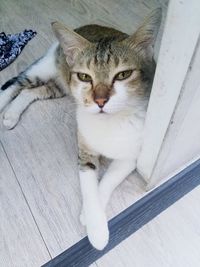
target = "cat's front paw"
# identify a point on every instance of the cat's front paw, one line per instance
(10, 120)
(98, 232)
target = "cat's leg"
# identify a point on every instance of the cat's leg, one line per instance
(94, 215)
(25, 98)
(35, 75)
(7, 96)
(118, 170)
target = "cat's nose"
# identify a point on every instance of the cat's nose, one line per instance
(101, 101)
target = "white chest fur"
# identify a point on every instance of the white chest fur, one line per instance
(116, 137)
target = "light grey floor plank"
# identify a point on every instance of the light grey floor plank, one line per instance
(171, 239)
(42, 152)
(42, 148)
(20, 239)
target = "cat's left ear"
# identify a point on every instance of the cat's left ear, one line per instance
(71, 42)
(144, 38)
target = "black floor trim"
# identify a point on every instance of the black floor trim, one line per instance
(82, 254)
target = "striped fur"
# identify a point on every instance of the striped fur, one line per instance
(109, 75)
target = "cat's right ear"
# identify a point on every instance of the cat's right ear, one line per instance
(71, 42)
(144, 38)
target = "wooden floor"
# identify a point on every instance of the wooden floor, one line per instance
(171, 240)
(39, 188)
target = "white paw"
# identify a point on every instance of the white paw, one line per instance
(82, 218)
(98, 233)
(10, 120)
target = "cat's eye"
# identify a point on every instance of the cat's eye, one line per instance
(123, 75)
(84, 77)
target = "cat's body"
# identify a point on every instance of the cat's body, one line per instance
(115, 137)
(110, 76)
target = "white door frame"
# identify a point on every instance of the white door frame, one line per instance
(181, 33)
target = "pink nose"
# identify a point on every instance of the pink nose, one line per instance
(101, 101)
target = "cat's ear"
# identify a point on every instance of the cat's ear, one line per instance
(145, 36)
(71, 42)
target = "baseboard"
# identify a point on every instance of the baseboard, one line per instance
(82, 254)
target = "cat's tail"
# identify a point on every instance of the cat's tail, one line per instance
(15, 85)
(38, 74)
(8, 83)
(23, 80)
(26, 79)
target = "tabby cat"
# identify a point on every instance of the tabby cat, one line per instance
(110, 74)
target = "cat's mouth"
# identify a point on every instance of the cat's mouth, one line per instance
(101, 111)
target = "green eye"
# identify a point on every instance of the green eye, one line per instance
(84, 77)
(123, 75)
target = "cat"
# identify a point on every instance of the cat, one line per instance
(109, 73)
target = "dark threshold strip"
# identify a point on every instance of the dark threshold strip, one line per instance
(82, 254)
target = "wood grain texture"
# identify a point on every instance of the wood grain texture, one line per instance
(171, 239)
(20, 239)
(133, 218)
(42, 148)
(181, 145)
(176, 51)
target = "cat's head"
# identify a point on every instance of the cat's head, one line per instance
(112, 74)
